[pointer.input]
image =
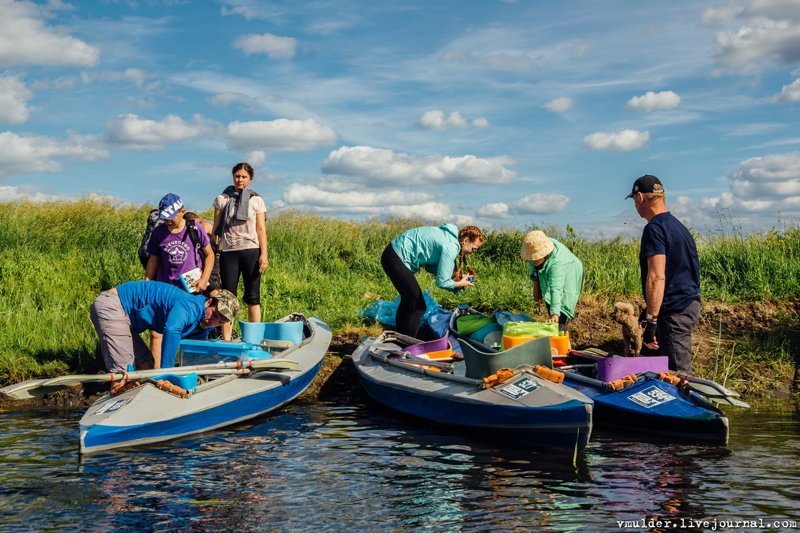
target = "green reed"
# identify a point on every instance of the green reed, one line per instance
(56, 257)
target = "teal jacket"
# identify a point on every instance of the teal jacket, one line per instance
(560, 280)
(434, 249)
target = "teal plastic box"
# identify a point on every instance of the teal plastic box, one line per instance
(194, 352)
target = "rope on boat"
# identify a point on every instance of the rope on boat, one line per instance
(621, 383)
(501, 376)
(171, 388)
(674, 379)
(549, 374)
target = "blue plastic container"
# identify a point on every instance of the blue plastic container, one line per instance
(194, 352)
(255, 332)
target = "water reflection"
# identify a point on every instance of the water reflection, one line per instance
(329, 467)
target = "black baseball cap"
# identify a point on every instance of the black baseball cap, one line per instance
(647, 183)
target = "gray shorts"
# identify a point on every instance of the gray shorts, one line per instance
(119, 344)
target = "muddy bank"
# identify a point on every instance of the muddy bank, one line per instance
(734, 344)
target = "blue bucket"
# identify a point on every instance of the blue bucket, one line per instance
(255, 332)
(284, 331)
(252, 332)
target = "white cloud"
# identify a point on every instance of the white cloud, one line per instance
(435, 119)
(256, 158)
(652, 101)
(494, 210)
(298, 193)
(357, 202)
(136, 133)
(26, 40)
(281, 135)
(559, 105)
(540, 204)
(14, 194)
(274, 46)
(14, 98)
(243, 8)
(768, 184)
(225, 99)
(378, 167)
(755, 34)
(29, 154)
(789, 93)
(622, 141)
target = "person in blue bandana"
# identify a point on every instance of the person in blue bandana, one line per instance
(122, 313)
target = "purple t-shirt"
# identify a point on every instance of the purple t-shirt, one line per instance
(176, 253)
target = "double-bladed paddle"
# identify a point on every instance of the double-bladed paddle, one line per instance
(41, 387)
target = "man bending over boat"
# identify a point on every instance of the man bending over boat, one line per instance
(122, 313)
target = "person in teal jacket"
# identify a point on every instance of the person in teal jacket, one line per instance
(122, 313)
(557, 276)
(442, 251)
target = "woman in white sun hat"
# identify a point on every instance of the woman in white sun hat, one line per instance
(557, 276)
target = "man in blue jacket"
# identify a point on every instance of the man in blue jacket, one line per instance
(122, 313)
(670, 271)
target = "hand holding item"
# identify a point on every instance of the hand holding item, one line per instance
(552, 318)
(649, 335)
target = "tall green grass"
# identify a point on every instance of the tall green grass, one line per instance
(56, 257)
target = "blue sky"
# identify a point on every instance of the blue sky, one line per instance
(499, 113)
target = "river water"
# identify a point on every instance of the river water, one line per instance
(328, 467)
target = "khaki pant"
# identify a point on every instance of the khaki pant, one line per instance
(119, 344)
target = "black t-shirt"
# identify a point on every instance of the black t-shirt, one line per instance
(665, 235)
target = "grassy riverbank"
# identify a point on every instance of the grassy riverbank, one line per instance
(56, 257)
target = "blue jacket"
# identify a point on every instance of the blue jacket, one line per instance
(166, 309)
(434, 249)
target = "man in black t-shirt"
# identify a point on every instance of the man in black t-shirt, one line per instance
(670, 272)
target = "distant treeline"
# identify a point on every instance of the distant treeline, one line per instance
(56, 257)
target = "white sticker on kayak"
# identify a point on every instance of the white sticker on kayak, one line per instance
(111, 406)
(651, 397)
(519, 389)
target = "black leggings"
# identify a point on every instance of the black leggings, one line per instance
(412, 303)
(244, 262)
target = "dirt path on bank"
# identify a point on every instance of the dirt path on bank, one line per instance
(731, 345)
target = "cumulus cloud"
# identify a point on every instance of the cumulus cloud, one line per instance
(540, 203)
(559, 105)
(534, 204)
(436, 119)
(256, 158)
(622, 141)
(356, 202)
(652, 101)
(312, 195)
(136, 133)
(25, 39)
(755, 34)
(494, 210)
(274, 46)
(380, 167)
(14, 98)
(789, 93)
(281, 135)
(29, 154)
(768, 184)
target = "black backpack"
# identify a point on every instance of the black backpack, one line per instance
(154, 220)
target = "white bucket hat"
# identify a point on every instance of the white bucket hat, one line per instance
(536, 246)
